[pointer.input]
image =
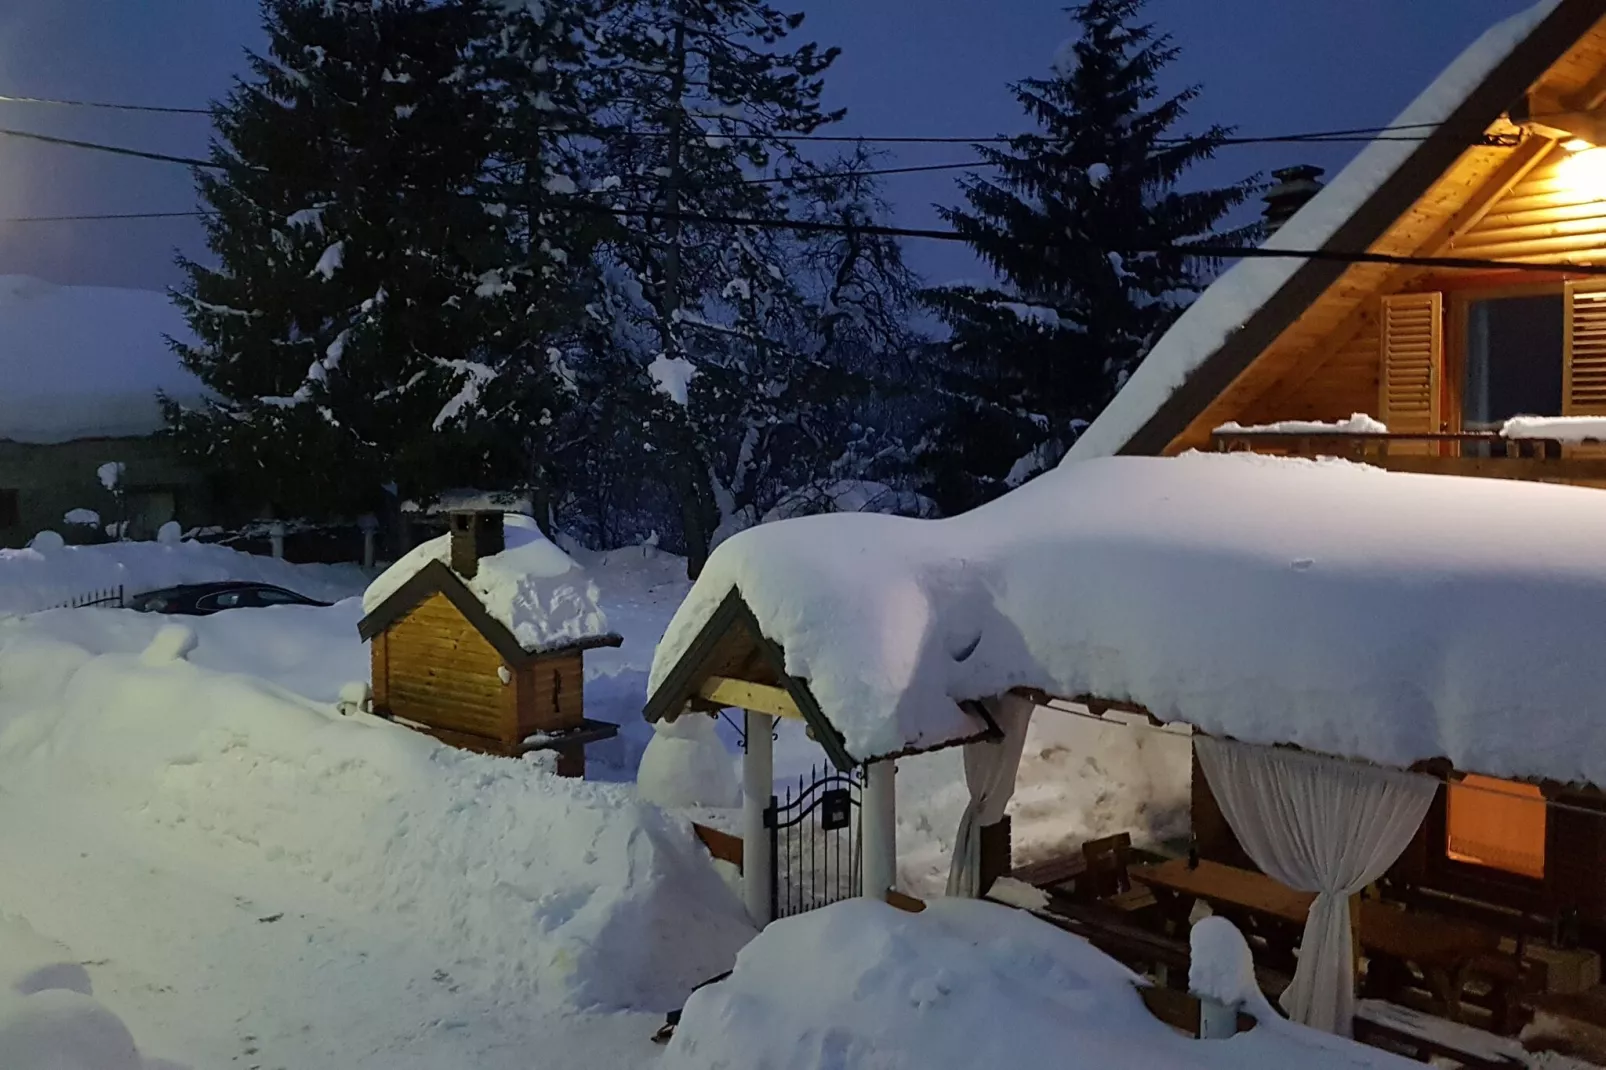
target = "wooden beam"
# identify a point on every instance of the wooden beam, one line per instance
(1554, 117)
(727, 693)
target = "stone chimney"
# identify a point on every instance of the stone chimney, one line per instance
(476, 533)
(1295, 187)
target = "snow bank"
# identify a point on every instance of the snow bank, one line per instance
(1336, 606)
(1232, 299)
(685, 765)
(543, 596)
(86, 361)
(49, 1018)
(48, 574)
(963, 984)
(525, 887)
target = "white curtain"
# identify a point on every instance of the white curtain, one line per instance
(1319, 825)
(990, 769)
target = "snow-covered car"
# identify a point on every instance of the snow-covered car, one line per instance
(201, 599)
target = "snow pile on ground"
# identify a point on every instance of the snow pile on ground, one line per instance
(49, 1018)
(50, 574)
(1339, 607)
(1358, 424)
(86, 361)
(963, 984)
(686, 765)
(526, 887)
(1232, 299)
(311, 650)
(539, 592)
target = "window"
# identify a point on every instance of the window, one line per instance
(1497, 824)
(267, 596)
(1514, 356)
(226, 600)
(10, 508)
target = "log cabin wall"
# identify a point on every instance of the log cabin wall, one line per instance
(1554, 211)
(551, 694)
(441, 672)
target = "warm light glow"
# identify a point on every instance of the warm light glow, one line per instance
(1577, 144)
(1499, 824)
(1584, 173)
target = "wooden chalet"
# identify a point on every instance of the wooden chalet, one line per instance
(1485, 300)
(444, 664)
(1511, 184)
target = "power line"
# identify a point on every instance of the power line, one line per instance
(809, 226)
(1352, 134)
(117, 150)
(103, 105)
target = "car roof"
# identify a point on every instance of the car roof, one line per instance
(214, 587)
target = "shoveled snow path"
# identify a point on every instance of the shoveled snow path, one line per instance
(216, 984)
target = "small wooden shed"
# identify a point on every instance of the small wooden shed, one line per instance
(443, 662)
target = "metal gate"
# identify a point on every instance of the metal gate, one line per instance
(815, 842)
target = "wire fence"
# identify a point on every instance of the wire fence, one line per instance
(109, 597)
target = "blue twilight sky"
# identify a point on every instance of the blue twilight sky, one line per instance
(926, 67)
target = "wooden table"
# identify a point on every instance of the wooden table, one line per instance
(1442, 948)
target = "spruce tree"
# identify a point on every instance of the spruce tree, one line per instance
(1083, 222)
(377, 314)
(691, 340)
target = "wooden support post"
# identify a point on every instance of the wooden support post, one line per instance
(996, 854)
(880, 816)
(758, 785)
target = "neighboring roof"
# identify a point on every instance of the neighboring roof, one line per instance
(1248, 307)
(86, 361)
(532, 598)
(1350, 611)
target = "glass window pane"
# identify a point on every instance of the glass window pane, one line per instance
(1514, 359)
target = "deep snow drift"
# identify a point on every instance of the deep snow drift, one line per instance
(963, 984)
(53, 575)
(1343, 608)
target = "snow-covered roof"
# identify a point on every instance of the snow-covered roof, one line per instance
(1242, 292)
(1348, 610)
(86, 361)
(532, 588)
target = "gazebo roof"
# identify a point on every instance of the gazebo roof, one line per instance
(1350, 611)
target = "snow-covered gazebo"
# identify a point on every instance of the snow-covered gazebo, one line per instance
(1330, 630)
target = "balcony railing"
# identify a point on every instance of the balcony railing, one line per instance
(1469, 453)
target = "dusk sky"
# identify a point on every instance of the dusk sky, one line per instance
(921, 67)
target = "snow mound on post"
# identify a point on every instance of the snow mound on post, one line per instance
(685, 765)
(44, 576)
(1346, 609)
(526, 888)
(539, 592)
(1232, 299)
(963, 984)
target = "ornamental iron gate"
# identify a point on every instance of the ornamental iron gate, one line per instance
(815, 842)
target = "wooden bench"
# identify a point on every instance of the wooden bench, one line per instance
(1422, 1037)
(1100, 871)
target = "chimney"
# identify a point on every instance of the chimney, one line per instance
(1295, 187)
(476, 533)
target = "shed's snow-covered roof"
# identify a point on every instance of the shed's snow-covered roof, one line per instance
(1348, 610)
(532, 587)
(1227, 305)
(86, 361)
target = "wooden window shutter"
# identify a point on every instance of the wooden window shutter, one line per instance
(1583, 376)
(1412, 361)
